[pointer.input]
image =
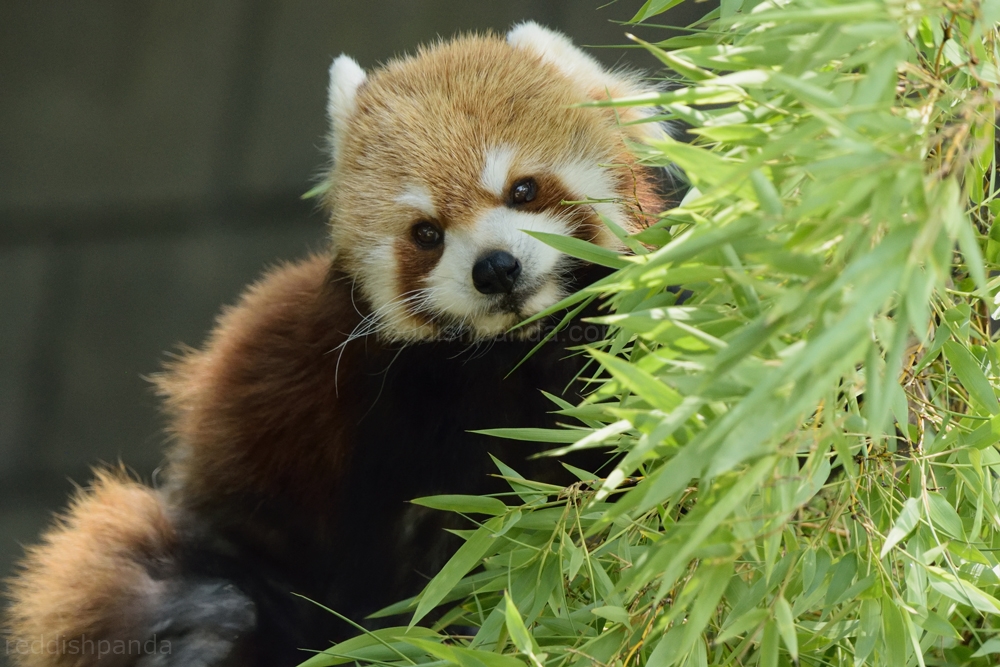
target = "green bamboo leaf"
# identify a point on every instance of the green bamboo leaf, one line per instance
(581, 249)
(894, 634)
(708, 168)
(769, 646)
(663, 483)
(558, 435)
(973, 379)
(786, 626)
(843, 575)
(743, 624)
(467, 504)
(807, 91)
(914, 636)
(667, 651)
(674, 62)
(593, 439)
(934, 623)
(613, 613)
(490, 631)
(464, 657)
(982, 437)
(316, 190)
(527, 490)
(376, 645)
(736, 133)
(989, 647)
(658, 394)
(768, 197)
(856, 589)
(710, 93)
(970, 247)
(663, 430)
(712, 581)
(869, 630)
(907, 520)
(852, 13)
(518, 632)
(669, 560)
(481, 544)
(962, 591)
(652, 8)
(944, 517)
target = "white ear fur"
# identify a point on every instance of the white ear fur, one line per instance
(557, 49)
(346, 76)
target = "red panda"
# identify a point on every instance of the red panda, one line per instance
(341, 386)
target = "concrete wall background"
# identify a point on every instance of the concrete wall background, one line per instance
(152, 154)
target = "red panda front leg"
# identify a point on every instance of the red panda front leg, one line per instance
(103, 588)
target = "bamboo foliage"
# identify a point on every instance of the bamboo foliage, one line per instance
(800, 382)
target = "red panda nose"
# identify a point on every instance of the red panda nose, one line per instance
(496, 272)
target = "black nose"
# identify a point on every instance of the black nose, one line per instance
(496, 273)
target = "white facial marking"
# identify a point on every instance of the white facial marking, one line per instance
(390, 315)
(547, 295)
(418, 197)
(496, 169)
(584, 178)
(380, 286)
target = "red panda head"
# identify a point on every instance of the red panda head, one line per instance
(444, 160)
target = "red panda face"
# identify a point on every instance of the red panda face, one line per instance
(445, 164)
(478, 270)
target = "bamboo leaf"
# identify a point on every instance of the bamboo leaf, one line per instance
(518, 632)
(482, 542)
(869, 630)
(613, 613)
(769, 646)
(464, 657)
(467, 504)
(659, 395)
(944, 517)
(905, 523)
(968, 371)
(371, 646)
(581, 249)
(786, 626)
(989, 647)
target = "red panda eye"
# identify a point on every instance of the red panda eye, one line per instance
(426, 235)
(523, 191)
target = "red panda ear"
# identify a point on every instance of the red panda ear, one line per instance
(346, 76)
(557, 49)
(595, 81)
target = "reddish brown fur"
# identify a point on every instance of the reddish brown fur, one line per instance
(88, 577)
(412, 265)
(247, 412)
(642, 192)
(265, 373)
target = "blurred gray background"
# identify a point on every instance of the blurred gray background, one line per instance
(152, 158)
